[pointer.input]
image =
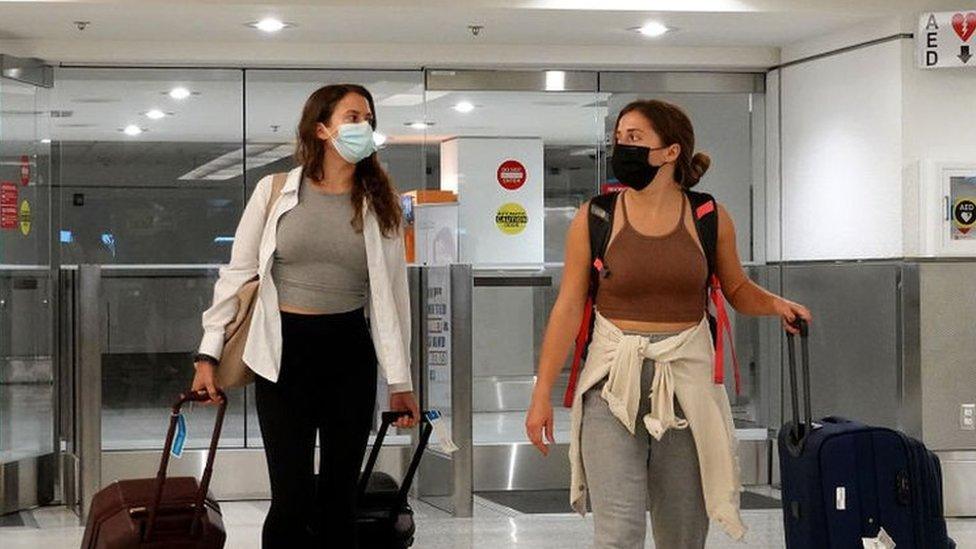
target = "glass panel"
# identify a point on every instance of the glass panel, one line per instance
(554, 139)
(274, 105)
(26, 375)
(152, 176)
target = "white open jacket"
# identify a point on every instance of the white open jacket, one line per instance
(388, 303)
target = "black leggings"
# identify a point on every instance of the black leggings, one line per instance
(327, 384)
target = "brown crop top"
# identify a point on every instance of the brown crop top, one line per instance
(654, 278)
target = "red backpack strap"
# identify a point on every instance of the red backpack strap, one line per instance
(706, 222)
(582, 340)
(723, 330)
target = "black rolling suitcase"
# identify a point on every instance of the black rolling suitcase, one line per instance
(384, 518)
(844, 481)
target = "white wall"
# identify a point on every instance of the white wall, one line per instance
(842, 155)
(939, 128)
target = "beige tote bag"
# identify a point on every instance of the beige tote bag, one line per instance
(232, 372)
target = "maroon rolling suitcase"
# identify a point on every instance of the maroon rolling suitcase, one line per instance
(170, 513)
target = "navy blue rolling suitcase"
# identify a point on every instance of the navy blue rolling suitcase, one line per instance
(844, 481)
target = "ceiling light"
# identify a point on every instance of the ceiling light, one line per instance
(464, 107)
(419, 125)
(155, 114)
(653, 29)
(46, 141)
(270, 24)
(555, 81)
(179, 93)
(379, 139)
(132, 129)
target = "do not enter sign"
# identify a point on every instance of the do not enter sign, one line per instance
(511, 175)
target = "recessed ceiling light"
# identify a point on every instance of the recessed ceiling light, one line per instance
(419, 125)
(132, 129)
(270, 24)
(379, 139)
(464, 107)
(653, 29)
(155, 114)
(179, 93)
(46, 141)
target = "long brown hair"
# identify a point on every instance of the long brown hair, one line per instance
(673, 125)
(371, 180)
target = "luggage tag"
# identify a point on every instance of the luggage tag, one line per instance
(180, 438)
(883, 541)
(444, 442)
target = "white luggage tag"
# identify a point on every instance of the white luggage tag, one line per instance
(883, 541)
(444, 442)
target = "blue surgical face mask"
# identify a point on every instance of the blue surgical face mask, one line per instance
(354, 142)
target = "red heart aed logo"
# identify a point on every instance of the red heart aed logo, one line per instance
(964, 25)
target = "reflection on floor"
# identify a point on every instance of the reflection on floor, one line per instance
(492, 527)
(557, 501)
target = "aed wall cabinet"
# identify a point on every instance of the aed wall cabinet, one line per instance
(940, 209)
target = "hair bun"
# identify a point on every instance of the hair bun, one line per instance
(699, 165)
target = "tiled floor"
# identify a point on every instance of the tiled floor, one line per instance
(492, 527)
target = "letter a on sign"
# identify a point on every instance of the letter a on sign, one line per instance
(932, 24)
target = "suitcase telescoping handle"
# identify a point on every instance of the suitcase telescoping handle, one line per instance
(387, 419)
(798, 431)
(201, 496)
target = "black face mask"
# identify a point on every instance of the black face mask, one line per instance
(631, 167)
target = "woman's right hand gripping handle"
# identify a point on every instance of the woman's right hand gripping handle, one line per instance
(205, 379)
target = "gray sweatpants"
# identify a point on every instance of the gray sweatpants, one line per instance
(629, 474)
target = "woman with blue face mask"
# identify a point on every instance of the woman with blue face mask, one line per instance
(327, 247)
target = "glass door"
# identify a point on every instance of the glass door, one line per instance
(28, 467)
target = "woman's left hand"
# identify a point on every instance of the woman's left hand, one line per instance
(405, 402)
(788, 311)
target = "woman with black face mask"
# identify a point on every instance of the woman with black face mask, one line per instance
(651, 424)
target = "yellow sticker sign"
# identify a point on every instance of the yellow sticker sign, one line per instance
(24, 217)
(511, 218)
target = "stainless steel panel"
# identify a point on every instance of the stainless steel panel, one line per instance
(28, 70)
(682, 82)
(502, 393)
(27, 483)
(959, 483)
(948, 348)
(853, 338)
(502, 80)
(521, 467)
(238, 473)
(910, 350)
(89, 386)
(461, 375)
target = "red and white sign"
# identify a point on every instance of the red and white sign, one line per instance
(8, 205)
(511, 175)
(612, 187)
(8, 194)
(24, 169)
(8, 217)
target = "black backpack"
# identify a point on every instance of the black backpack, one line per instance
(600, 224)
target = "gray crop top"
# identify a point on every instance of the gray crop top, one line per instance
(320, 260)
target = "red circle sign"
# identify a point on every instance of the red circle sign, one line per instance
(24, 170)
(511, 174)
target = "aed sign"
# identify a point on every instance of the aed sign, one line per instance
(945, 39)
